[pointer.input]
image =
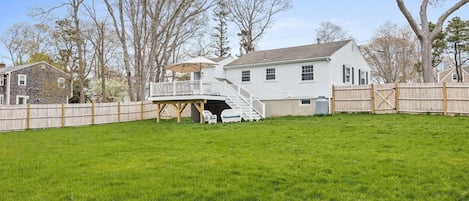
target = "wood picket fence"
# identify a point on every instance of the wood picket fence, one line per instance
(443, 98)
(33, 116)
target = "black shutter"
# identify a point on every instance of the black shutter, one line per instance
(366, 77)
(359, 77)
(353, 75)
(343, 73)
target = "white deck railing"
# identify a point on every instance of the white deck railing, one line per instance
(200, 87)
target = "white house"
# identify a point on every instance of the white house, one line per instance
(278, 82)
(289, 80)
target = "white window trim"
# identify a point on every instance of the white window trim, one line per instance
(267, 74)
(348, 74)
(60, 81)
(2, 101)
(242, 81)
(301, 78)
(26, 98)
(301, 102)
(19, 79)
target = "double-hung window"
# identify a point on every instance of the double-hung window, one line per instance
(1, 99)
(61, 82)
(2, 80)
(270, 74)
(21, 80)
(307, 73)
(245, 76)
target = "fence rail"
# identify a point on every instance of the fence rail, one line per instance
(32, 116)
(444, 98)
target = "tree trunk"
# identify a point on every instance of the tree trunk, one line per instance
(427, 67)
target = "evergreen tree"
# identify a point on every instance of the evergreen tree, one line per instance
(438, 47)
(458, 37)
(220, 36)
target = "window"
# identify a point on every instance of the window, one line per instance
(307, 73)
(455, 77)
(21, 80)
(61, 82)
(246, 76)
(305, 102)
(1, 99)
(347, 74)
(21, 100)
(2, 80)
(270, 74)
(362, 77)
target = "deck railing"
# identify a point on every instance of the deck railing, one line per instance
(183, 88)
(200, 87)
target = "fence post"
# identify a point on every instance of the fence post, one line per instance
(445, 100)
(333, 100)
(372, 98)
(396, 93)
(28, 116)
(63, 115)
(119, 111)
(92, 113)
(141, 109)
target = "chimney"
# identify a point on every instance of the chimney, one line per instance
(2, 65)
(318, 41)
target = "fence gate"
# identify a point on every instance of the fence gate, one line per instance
(385, 99)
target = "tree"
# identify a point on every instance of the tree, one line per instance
(22, 40)
(392, 54)
(438, 47)
(222, 49)
(425, 36)
(330, 32)
(253, 17)
(458, 38)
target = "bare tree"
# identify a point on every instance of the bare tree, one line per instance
(425, 36)
(22, 40)
(392, 54)
(119, 25)
(330, 32)
(253, 18)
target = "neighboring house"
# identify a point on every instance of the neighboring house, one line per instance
(36, 83)
(450, 75)
(289, 80)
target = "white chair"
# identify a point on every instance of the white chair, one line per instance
(231, 115)
(209, 117)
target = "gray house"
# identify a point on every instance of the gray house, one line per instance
(36, 83)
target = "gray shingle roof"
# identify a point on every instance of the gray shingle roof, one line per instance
(19, 67)
(290, 53)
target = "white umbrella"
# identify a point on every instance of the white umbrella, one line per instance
(192, 65)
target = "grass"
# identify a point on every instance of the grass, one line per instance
(342, 157)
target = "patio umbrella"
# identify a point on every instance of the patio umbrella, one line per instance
(192, 65)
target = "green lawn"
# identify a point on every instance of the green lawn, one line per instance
(342, 157)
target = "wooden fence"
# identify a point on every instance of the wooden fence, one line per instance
(444, 98)
(32, 116)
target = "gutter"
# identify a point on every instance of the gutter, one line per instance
(278, 62)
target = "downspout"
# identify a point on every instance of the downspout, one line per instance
(330, 84)
(7, 93)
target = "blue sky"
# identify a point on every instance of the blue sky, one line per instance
(360, 18)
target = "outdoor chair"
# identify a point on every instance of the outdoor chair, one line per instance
(209, 117)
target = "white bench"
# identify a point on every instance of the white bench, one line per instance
(231, 115)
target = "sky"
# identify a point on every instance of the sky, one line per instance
(296, 26)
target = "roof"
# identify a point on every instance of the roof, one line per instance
(218, 59)
(290, 53)
(15, 68)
